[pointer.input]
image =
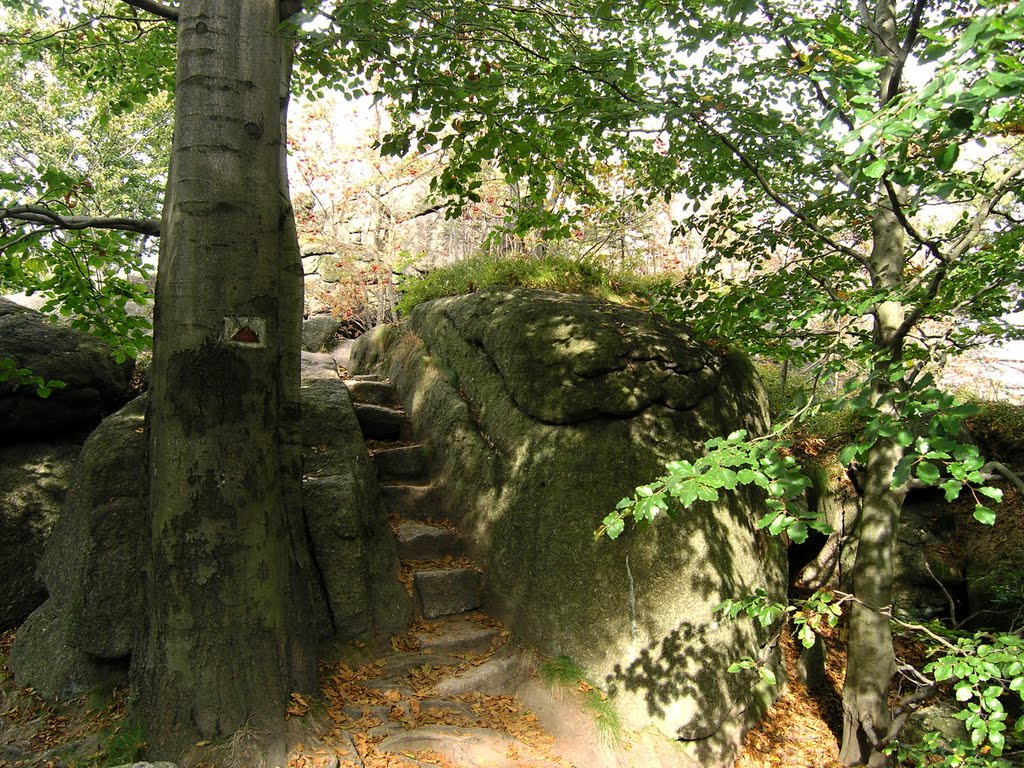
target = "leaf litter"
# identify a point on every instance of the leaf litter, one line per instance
(799, 731)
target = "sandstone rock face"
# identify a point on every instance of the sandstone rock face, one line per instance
(93, 566)
(541, 411)
(96, 385)
(33, 482)
(352, 542)
(318, 333)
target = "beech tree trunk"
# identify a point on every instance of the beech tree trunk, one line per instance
(229, 633)
(870, 662)
(870, 657)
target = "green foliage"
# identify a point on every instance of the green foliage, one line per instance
(927, 424)
(806, 616)
(935, 752)
(986, 673)
(23, 377)
(763, 670)
(985, 670)
(550, 273)
(727, 464)
(836, 425)
(83, 135)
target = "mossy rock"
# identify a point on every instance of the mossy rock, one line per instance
(541, 411)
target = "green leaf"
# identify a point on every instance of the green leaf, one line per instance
(876, 169)
(707, 494)
(614, 526)
(995, 494)
(869, 67)
(998, 742)
(767, 675)
(849, 453)
(984, 515)
(797, 532)
(952, 489)
(946, 157)
(928, 473)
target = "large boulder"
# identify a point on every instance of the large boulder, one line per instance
(94, 563)
(319, 333)
(352, 542)
(541, 411)
(33, 481)
(96, 385)
(92, 567)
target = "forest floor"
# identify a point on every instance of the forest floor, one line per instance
(359, 712)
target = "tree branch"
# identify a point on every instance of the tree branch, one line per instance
(766, 185)
(896, 79)
(38, 214)
(154, 7)
(1001, 469)
(909, 228)
(1002, 185)
(974, 229)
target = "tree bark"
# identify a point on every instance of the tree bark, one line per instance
(870, 657)
(229, 636)
(870, 662)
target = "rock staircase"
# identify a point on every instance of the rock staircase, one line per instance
(441, 696)
(444, 583)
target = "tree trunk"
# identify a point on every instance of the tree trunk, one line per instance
(229, 635)
(870, 661)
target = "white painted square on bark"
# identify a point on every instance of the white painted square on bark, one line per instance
(245, 332)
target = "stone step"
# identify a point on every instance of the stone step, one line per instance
(371, 392)
(379, 422)
(367, 377)
(423, 541)
(406, 462)
(445, 592)
(466, 747)
(412, 502)
(454, 635)
(398, 665)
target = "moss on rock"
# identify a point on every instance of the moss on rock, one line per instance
(542, 410)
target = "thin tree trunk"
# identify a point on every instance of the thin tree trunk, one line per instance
(225, 644)
(870, 657)
(870, 660)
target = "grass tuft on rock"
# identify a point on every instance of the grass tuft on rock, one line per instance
(550, 273)
(563, 672)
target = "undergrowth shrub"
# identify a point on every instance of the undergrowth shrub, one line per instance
(832, 427)
(999, 427)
